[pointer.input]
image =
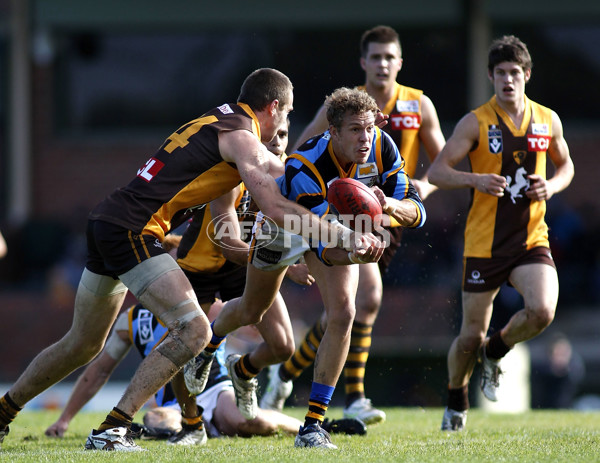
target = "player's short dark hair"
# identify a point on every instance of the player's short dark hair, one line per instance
(378, 34)
(348, 100)
(509, 49)
(263, 86)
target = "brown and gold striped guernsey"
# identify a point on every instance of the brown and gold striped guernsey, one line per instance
(186, 172)
(404, 109)
(507, 226)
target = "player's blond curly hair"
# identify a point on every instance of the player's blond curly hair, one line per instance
(348, 100)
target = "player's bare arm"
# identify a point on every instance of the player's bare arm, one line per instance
(227, 229)
(432, 139)
(404, 211)
(373, 253)
(442, 172)
(558, 152)
(244, 149)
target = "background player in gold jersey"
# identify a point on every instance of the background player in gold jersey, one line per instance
(506, 238)
(412, 122)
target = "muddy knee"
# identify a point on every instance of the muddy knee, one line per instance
(188, 332)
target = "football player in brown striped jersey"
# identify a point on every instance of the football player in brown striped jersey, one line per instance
(508, 141)
(204, 159)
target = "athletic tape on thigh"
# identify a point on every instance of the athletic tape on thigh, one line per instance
(175, 350)
(145, 273)
(179, 315)
(101, 285)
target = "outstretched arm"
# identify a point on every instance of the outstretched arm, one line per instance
(245, 150)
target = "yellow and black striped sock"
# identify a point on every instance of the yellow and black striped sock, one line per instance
(193, 423)
(214, 343)
(354, 368)
(116, 419)
(304, 355)
(8, 411)
(316, 413)
(244, 368)
(211, 348)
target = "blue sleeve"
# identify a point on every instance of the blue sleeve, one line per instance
(305, 188)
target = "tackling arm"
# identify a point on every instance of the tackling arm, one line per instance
(243, 148)
(233, 248)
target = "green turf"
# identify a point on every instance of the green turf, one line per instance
(409, 434)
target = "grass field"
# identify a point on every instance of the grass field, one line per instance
(409, 434)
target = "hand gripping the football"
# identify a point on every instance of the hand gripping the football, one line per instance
(404, 211)
(367, 248)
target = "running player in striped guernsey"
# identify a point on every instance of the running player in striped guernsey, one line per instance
(412, 123)
(508, 141)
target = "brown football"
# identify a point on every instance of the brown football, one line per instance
(355, 203)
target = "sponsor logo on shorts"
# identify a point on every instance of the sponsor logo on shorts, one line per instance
(475, 278)
(268, 255)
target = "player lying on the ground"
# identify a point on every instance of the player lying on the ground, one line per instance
(137, 326)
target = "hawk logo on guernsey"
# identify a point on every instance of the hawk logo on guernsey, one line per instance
(145, 333)
(494, 139)
(519, 156)
(150, 169)
(225, 109)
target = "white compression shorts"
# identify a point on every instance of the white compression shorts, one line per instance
(273, 247)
